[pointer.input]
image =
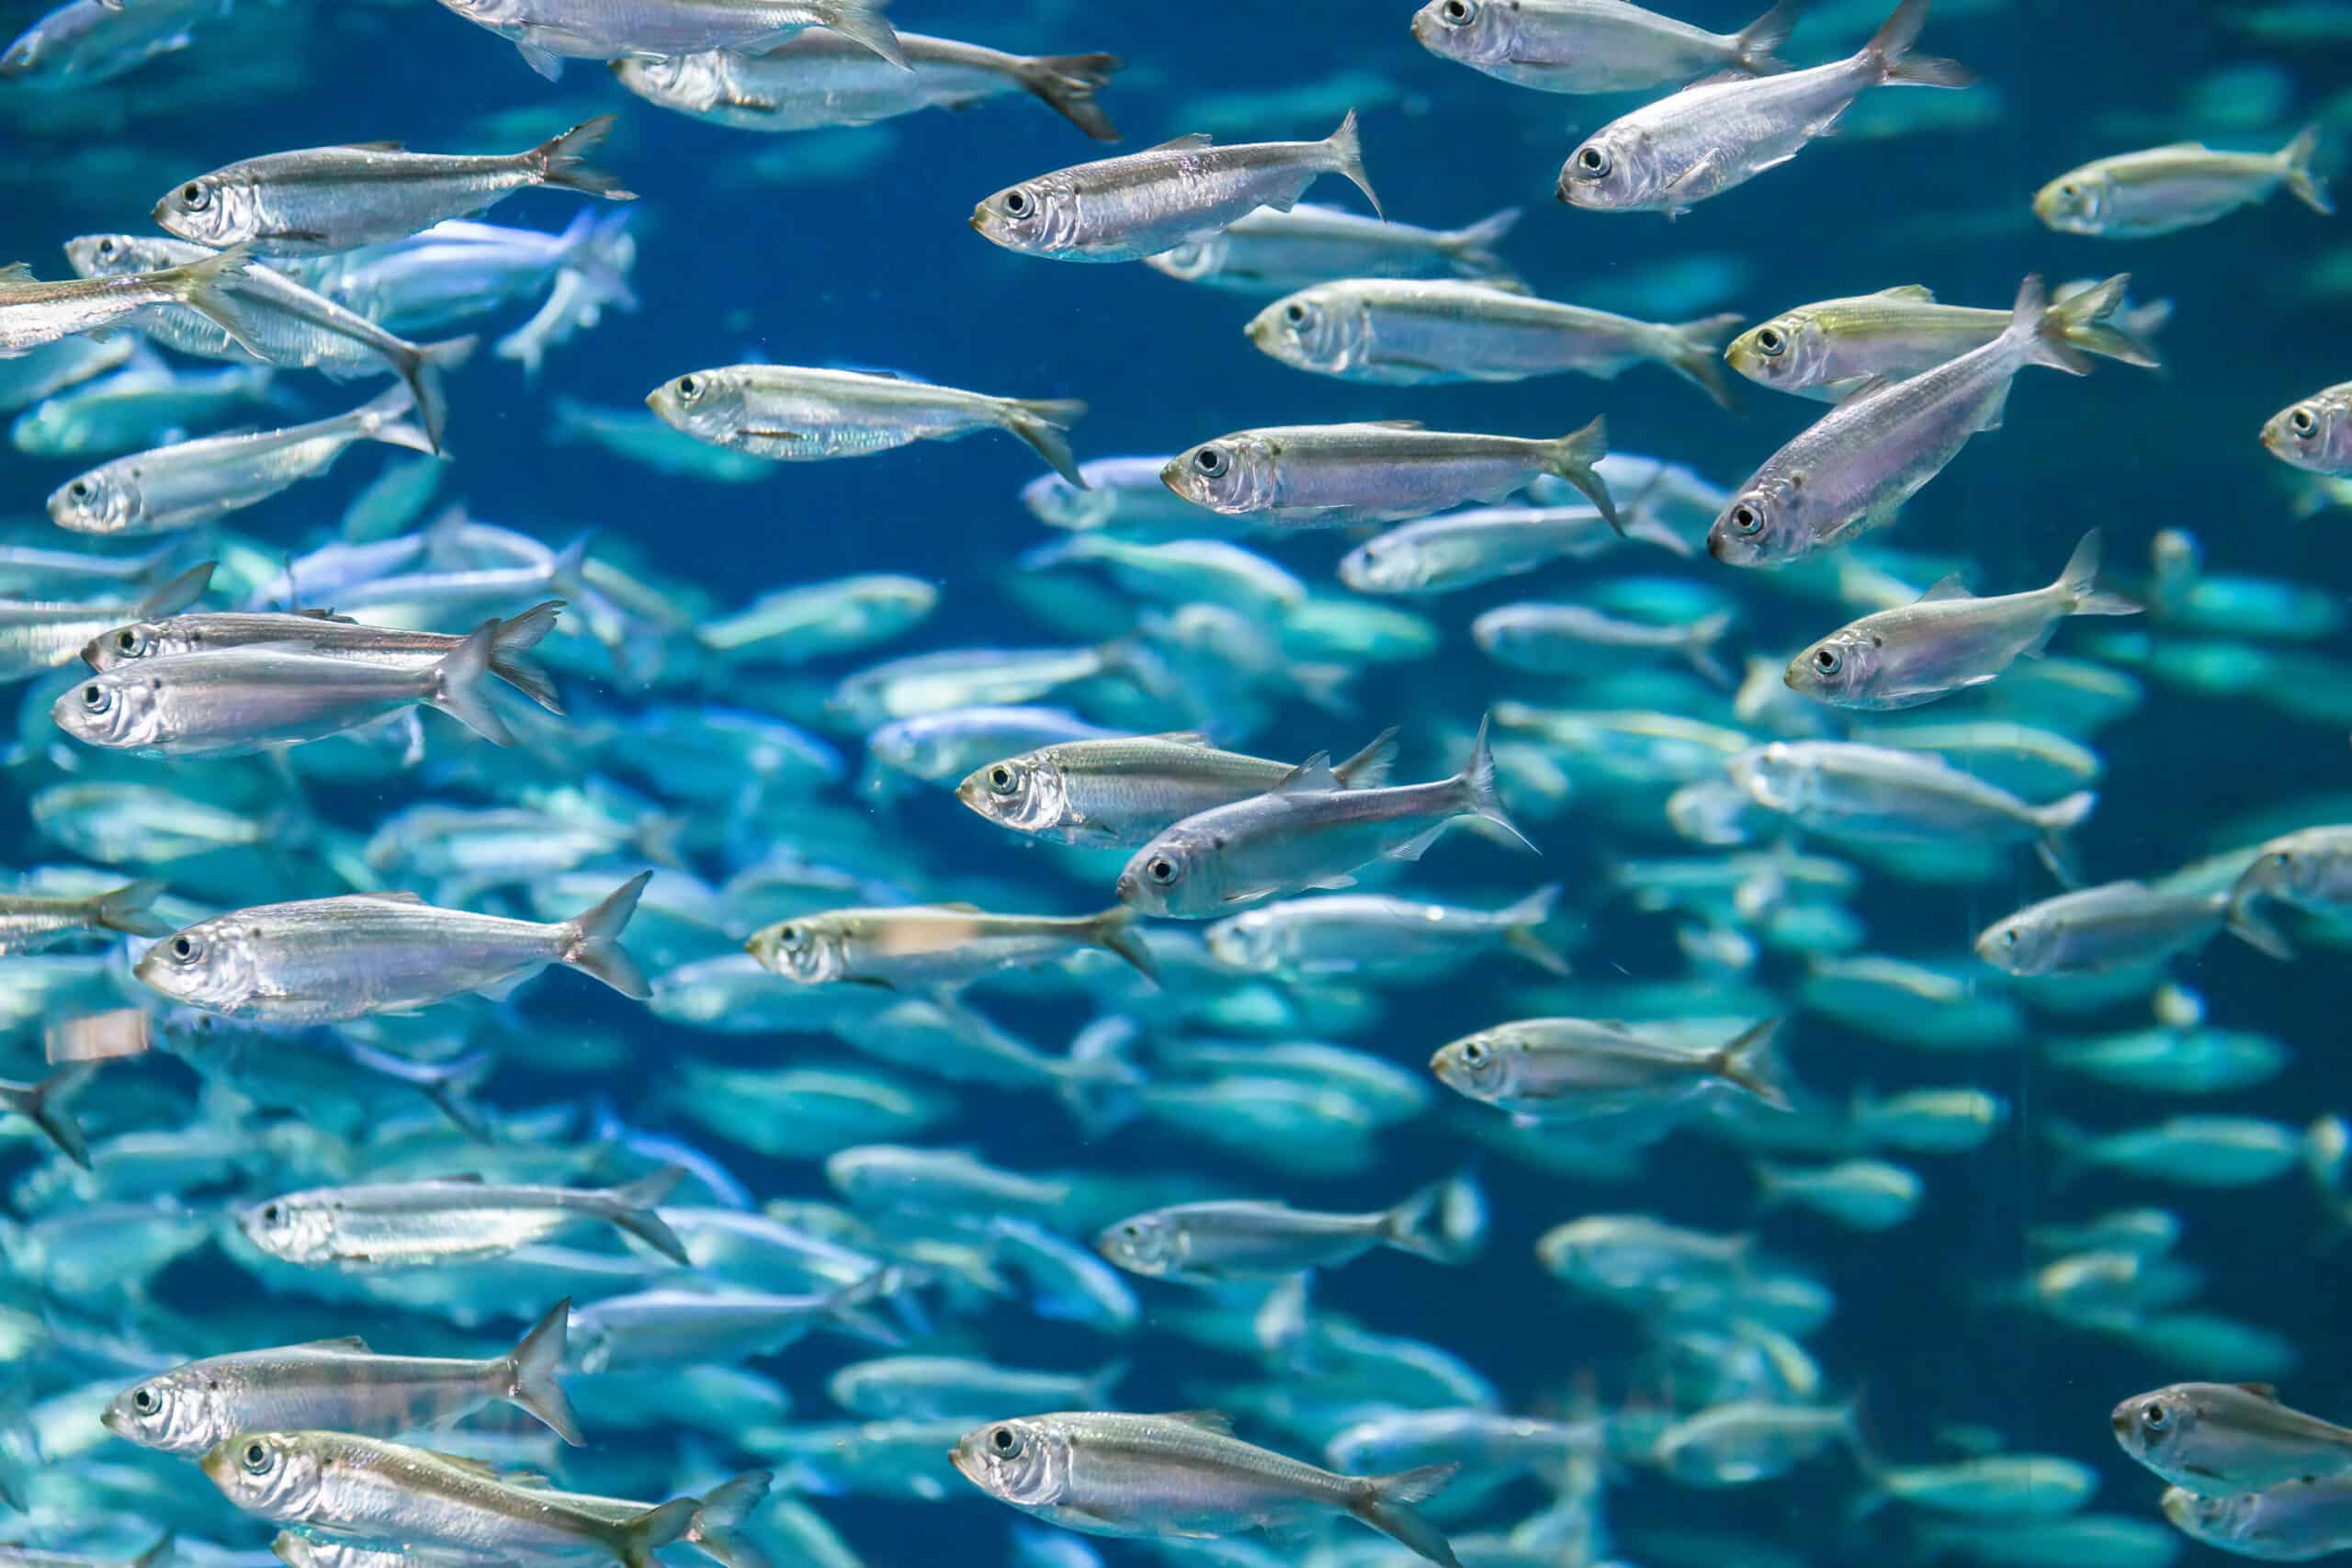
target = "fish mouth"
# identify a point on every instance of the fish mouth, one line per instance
(113, 1420)
(1127, 887)
(1715, 543)
(978, 223)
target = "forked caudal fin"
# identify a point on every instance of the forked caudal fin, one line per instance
(1480, 798)
(1041, 421)
(591, 940)
(1346, 148)
(562, 161)
(1114, 929)
(2079, 583)
(1444, 1222)
(43, 1104)
(509, 657)
(1750, 1061)
(1069, 83)
(2089, 318)
(1368, 768)
(635, 1540)
(529, 1371)
(1761, 38)
(1386, 1504)
(1890, 52)
(630, 1206)
(2295, 167)
(1693, 350)
(1572, 457)
(2032, 323)
(860, 21)
(453, 686)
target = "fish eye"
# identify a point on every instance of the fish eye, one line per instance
(789, 935)
(2070, 190)
(271, 1213)
(2152, 1416)
(1770, 341)
(1593, 161)
(2303, 421)
(1826, 659)
(1459, 13)
(1132, 1231)
(1161, 869)
(106, 249)
(2009, 939)
(186, 949)
(195, 197)
(1209, 460)
(257, 1457)
(142, 1400)
(1746, 519)
(1001, 779)
(79, 490)
(1005, 1441)
(128, 641)
(1474, 1053)
(1017, 203)
(1295, 313)
(96, 698)
(688, 388)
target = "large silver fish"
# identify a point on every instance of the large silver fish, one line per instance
(327, 960)
(1671, 155)
(1546, 1069)
(549, 32)
(1373, 934)
(1130, 207)
(2140, 195)
(324, 199)
(393, 1224)
(2222, 1440)
(2315, 434)
(1596, 46)
(2294, 1521)
(33, 313)
(941, 945)
(1183, 1474)
(2119, 925)
(1463, 549)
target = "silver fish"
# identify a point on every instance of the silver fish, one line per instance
(2311, 870)
(931, 1388)
(1369, 933)
(2139, 195)
(1410, 332)
(83, 42)
(341, 1385)
(2294, 1521)
(1130, 207)
(942, 945)
(326, 960)
(1305, 831)
(144, 402)
(794, 415)
(33, 313)
(1463, 549)
(44, 1104)
(1273, 251)
(549, 32)
(1672, 154)
(1206, 1244)
(2119, 925)
(40, 373)
(1950, 641)
(396, 1223)
(665, 1327)
(36, 636)
(195, 482)
(2222, 1440)
(324, 199)
(1596, 46)
(2314, 435)
(1853, 469)
(825, 78)
(1118, 793)
(1548, 1069)
(1183, 1474)
(1383, 471)
(1553, 639)
(30, 923)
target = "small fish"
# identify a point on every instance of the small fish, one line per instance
(665, 1327)
(325, 199)
(1181, 572)
(1206, 1244)
(1308, 830)
(38, 373)
(1183, 1474)
(1463, 549)
(196, 482)
(818, 78)
(32, 923)
(1853, 469)
(1862, 1194)
(549, 32)
(820, 620)
(1272, 252)
(36, 636)
(941, 945)
(341, 1385)
(1411, 333)
(1365, 933)
(154, 1556)
(1929, 1120)
(1672, 154)
(1128, 208)
(1950, 641)
(2119, 925)
(2137, 196)
(2216, 1152)
(33, 313)
(1549, 639)
(326, 960)
(2222, 1440)
(798, 415)
(394, 1224)
(2294, 1521)
(2314, 435)
(1551, 1069)
(1319, 476)
(1121, 793)
(1997, 1486)
(1121, 496)
(44, 1104)
(1596, 46)
(81, 43)
(931, 1388)
(2310, 869)
(141, 404)
(1749, 1440)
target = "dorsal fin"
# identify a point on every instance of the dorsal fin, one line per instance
(373, 147)
(1920, 291)
(18, 272)
(400, 898)
(488, 1471)
(460, 1178)
(1191, 142)
(1948, 586)
(1181, 738)
(961, 907)
(1313, 776)
(1212, 1421)
(349, 1345)
(2261, 1390)
(1500, 285)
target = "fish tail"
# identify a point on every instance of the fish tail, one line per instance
(2295, 167)
(562, 161)
(1526, 918)
(1473, 246)
(1705, 631)
(847, 1305)
(2056, 821)
(1098, 1078)
(1346, 148)
(720, 1513)
(1750, 1061)
(2087, 320)
(381, 418)
(2243, 923)
(1069, 83)
(1041, 421)
(421, 367)
(1481, 799)
(528, 1373)
(1760, 38)
(861, 21)
(1444, 1222)
(178, 594)
(630, 1206)
(1385, 1503)
(158, 1553)
(2045, 339)
(203, 286)
(1114, 929)
(127, 910)
(592, 940)
(453, 686)
(1572, 457)
(44, 1105)
(1693, 350)
(509, 660)
(635, 1540)
(1369, 768)
(1890, 52)
(2079, 583)
(450, 1087)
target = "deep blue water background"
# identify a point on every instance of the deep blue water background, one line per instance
(834, 254)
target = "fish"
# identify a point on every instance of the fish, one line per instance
(2314, 435)
(935, 945)
(798, 415)
(1308, 830)
(2216, 1152)
(1854, 469)
(1839, 349)
(1862, 1194)
(85, 44)
(2309, 870)
(32, 923)
(392, 1224)
(1669, 155)
(1214, 1242)
(40, 373)
(196, 482)
(33, 314)
(341, 1385)
(1463, 549)
(818, 78)
(1549, 1069)
(329, 960)
(2294, 1521)
(1948, 640)
(818, 620)
(1596, 46)
(684, 1327)
(143, 403)
(2224, 1439)
(36, 636)
(1182, 1474)
(931, 1388)
(1121, 793)
(2137, 196)
(1319, 476)
(1367, 934)
(1555, 638)
(1273, 251)
(2117, 925)
(549, 32)
(46, 1105)
(1145, 203)
(325, 199)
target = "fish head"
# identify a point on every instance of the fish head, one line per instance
(2017, 945)
(1026, 793)
(2155, 1428)
(1150, 1245)
(1616, 167)
(1250, 943)
(274, 1474)
(182, 1411)
(104, 501)
(1233, 474)
(112, 255)
(708, 404)
(1386, 564)
(691, 82)
(1761, 526)
(2284, 870)
(1775, 777)
(1036, 215)
(1315, 329)
(1477, 1067)
(2216, 1521)
(292, 1229)
(1177, 875)
(1193, 260)
(1837, 668)
(210, 964)
(813, 949)
(212, 209)
(140, 640)
(1025, 1463)
(119, 709)
(2315, 434)
(2076, 203)
(1785, 351)
(1479, 32)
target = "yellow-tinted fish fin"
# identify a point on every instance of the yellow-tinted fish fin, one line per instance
(1948, 586)
(1191, 142)
(1215, 1421)
(1918, 291)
